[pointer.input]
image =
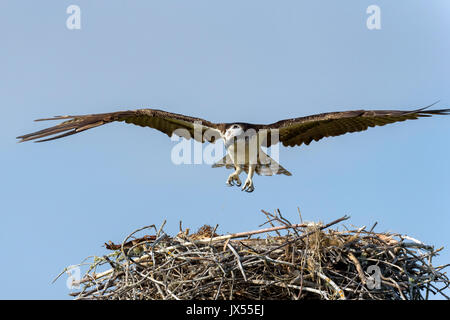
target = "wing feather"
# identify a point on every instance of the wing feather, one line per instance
(166, 122)
(304, 130)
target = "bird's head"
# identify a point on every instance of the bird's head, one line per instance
(234, 130)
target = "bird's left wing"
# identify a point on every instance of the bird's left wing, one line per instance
(166, 122)
(296, 131)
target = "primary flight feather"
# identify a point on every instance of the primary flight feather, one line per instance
(290, 132)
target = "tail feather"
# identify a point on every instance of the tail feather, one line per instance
(266, 166)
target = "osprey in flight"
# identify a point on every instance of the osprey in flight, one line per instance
(243, 141)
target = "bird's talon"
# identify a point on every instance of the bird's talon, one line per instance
(248, 186)
(233, 180)
(250, 189)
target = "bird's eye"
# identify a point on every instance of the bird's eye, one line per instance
(235, 127)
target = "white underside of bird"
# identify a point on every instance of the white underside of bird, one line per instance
(244, 153)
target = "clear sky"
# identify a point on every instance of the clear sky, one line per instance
(253, 61)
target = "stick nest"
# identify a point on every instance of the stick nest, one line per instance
(290, 261)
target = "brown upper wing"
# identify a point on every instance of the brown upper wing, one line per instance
(294, 132)
(166, 122)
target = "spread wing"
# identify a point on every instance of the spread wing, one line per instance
(294, 132)
(166, 122)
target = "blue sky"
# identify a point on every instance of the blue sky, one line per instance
(253, 61)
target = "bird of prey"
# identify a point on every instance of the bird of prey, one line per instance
(290, 132)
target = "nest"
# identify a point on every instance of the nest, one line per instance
(291, 261)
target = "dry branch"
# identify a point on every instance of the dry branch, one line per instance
(308, 261)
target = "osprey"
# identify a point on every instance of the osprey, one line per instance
(243, 141)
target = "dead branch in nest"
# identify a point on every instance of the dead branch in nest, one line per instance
(309, 261)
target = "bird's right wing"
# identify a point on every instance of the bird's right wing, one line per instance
(166, 122)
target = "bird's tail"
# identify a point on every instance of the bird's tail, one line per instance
(266, 166)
